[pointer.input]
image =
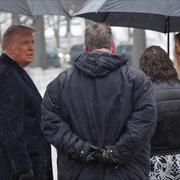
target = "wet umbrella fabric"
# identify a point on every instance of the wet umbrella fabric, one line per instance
(158, 15)
(33, 7)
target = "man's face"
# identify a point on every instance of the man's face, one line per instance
(21, 48)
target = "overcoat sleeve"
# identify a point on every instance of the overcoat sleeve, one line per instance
(140, 125)
(55, 126)
(12, 122)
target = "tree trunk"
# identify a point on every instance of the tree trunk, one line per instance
(68, 34)
(139, 45)
(56, 32)
(15, 19)
(40, 55)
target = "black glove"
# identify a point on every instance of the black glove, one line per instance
(91, 155)
(26, 176)
(107, 155)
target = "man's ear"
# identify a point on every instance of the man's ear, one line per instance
(8, 49)
(113, 48)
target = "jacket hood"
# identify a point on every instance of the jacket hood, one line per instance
(98, 64)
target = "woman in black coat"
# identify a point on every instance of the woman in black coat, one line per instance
(165, 160)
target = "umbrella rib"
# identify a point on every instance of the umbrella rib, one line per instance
(64, 9)
(105, 17)
(166, 28)
(167, 31)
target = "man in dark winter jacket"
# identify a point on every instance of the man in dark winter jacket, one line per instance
(24, 152)
(100, 114)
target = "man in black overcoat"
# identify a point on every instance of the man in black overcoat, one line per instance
(24, 152)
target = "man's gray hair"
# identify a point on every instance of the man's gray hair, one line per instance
(13, 30)
(98, 36)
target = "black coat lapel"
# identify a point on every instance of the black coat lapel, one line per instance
(29, 80)
(23, 74)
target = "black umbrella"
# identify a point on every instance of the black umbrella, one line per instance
(34, 7)
(159, 15)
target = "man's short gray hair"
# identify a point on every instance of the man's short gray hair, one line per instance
(98, 36)
(11, 31)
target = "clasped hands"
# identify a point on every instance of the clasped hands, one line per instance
(104, 155)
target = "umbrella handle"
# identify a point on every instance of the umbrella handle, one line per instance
(167, 31)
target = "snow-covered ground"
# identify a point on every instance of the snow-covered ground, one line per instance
(41, 79)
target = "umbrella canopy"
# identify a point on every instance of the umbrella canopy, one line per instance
(158, 15)
(33, 7)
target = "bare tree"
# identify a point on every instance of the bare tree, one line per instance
(15, 19)
(55, 22)
(5, 18)
(40, 57)
(139, 45)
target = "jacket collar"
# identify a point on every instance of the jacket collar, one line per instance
(8, 60)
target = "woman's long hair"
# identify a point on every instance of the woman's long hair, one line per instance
(156, 63)
(177, 51)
